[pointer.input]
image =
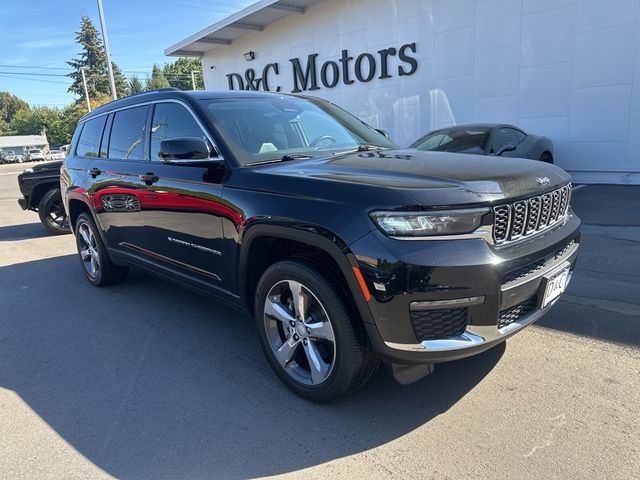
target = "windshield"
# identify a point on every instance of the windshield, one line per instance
(34, 151)
(455, 140)
(261, 129)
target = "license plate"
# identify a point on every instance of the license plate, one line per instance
(556, 284)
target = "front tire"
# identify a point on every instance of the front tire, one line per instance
(52, 214)
(97, 267)
(311, 338)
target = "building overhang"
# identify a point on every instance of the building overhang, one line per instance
(252, 19)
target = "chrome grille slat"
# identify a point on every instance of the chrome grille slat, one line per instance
(520, 219)
(534, 214)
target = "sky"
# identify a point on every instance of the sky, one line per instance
(37, 37)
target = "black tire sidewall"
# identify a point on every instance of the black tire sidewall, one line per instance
(342, 376)
(43, 212)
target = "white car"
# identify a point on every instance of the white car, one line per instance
(35, 155)
(56, 155)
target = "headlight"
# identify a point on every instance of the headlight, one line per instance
(425, 224)
(28, 170)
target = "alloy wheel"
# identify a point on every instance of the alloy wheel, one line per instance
(89, 250)
(299, 332)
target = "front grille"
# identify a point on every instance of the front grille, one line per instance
(436, 324)
(519, 219)
(522, 272)
(563, 252)
(517, 312)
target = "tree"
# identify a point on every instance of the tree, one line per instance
(157, 79)
(122, 86)
(93, 57)
(74, 112)
(178, 73)
(32, 121)
(9, 105)
(135, 85)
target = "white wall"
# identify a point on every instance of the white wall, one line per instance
(568, 69)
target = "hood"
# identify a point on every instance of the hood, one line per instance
(47, 166)
(429, 178)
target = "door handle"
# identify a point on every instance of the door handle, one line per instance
(94, 172)
(149, 178)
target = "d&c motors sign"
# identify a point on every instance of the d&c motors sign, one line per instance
(308, 75)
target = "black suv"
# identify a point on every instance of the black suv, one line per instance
(345, 248)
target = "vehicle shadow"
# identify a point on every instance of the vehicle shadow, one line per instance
(147, 380)
(24, 231)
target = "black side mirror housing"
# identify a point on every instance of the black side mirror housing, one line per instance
(184, 150)
(507, 147)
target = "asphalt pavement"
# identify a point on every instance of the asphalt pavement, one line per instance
(144, 380)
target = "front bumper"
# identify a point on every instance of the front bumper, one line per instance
(494, 291)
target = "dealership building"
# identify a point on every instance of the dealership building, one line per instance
(566, 69)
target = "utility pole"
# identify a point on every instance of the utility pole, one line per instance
(86, 92)
(193, 78)
(105, 38)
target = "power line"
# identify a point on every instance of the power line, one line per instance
(4, 75)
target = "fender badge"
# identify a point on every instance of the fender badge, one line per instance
(543, 180)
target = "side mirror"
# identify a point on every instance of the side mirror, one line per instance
(184, 150)
(507, 147)
(383, 132)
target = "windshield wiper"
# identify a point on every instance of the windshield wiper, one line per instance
(294, 156)
(285, 158)
(367, 147)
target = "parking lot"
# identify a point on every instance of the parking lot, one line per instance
(146, 380)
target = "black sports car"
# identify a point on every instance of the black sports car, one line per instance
(488, 139)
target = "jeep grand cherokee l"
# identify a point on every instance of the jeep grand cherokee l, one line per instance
(345, 248)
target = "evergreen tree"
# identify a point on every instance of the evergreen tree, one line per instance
(178, 73)
(157, 80)
(135, 85)
(122, 86)
(94, 58)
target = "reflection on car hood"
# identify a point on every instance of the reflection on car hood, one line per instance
(429, 178)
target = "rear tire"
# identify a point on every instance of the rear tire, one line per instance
(315, 346)
(52, 214)
(97, 267)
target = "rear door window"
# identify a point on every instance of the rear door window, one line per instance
(127, 139)
(89, 142)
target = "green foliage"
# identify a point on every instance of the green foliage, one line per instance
(74, 112)
(157, 79)
(93, 57)
(33, 121)
(9, 105)
(135, 85)
(178, 73)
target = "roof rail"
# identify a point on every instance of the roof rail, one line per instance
(167, 89)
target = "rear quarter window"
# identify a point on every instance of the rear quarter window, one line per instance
(89, 142)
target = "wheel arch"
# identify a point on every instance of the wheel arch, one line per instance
(75, 208)
(316, 247)
(40, 190)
